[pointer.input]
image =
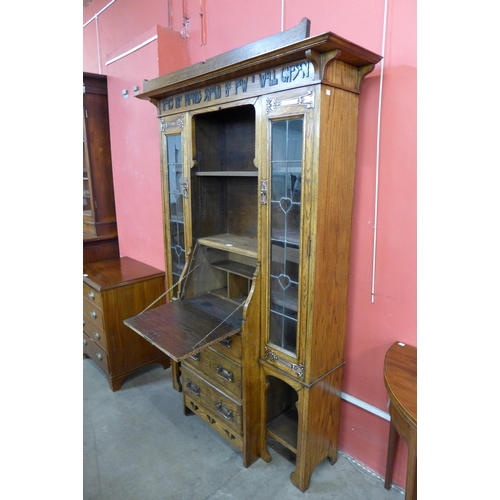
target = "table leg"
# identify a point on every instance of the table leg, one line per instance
(411, 472)
(390, 457)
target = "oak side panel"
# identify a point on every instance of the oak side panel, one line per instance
(331, 248)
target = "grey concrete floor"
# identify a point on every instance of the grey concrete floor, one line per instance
(138, 445)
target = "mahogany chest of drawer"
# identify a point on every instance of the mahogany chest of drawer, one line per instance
(113, 290)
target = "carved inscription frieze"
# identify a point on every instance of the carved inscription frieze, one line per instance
(279, 78)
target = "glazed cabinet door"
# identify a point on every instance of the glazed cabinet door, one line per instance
(175, 185)
(286, 194)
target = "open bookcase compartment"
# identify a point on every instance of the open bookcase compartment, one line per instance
(224, 181)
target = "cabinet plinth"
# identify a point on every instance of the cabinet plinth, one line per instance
(258, 154)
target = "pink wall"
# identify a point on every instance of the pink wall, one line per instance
(372, 327)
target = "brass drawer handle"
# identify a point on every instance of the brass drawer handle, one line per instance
(196, 357)
(99, 356)
(84, 341)
(226, 413)
(93, 314)
(225, 374)
(91, 295)
(193, 388)
(96, 336)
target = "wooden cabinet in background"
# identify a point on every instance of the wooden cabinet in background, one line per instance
(258, 151)
(115, 289)
(100, 240)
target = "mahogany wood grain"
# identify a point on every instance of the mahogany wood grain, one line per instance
(97, 157)
(400, 377)
(113, 290)
(113, 273)
(97, 248)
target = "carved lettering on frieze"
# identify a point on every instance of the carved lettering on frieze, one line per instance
(292, 72)
(279, 77)
(214, 91)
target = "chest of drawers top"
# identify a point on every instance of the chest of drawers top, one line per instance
(112, 273)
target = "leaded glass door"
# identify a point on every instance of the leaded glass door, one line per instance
(286, 246)
(175, 185)
(285, 200)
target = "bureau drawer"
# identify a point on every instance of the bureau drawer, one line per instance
(92, 314)
(90, 294)
(230, 347)
(97, 334)
(219, 404)
(219, 370)
(94, 352)
(217, 423)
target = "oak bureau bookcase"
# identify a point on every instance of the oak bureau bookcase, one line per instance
(258, 153)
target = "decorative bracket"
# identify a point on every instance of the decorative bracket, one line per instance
(307, 100)
(298, 369)
(320, 61)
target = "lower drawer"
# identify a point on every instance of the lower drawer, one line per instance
(94, 352)
(221, 371)
(215, 421)
(97, 334)
(225, 408)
